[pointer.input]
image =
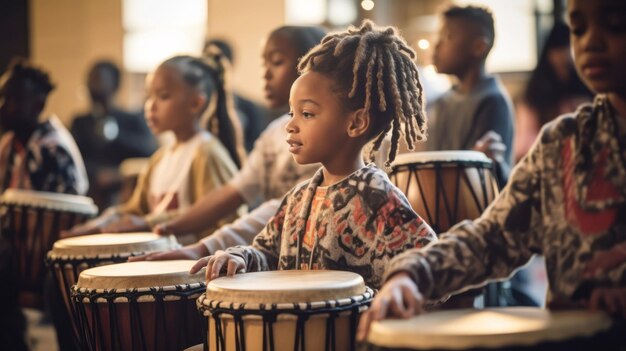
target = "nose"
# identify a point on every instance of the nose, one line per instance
(594, 39)
(267, 73)
(149, 106)
(291, 126)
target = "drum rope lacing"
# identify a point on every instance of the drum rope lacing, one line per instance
(270, 312)
(92, 336)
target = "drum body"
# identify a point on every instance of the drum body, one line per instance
(139, 306)
(284, 310)
(512, 328)
(446, 187)
(32, 221)
(71, 256)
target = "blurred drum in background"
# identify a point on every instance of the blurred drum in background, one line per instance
(284, 310)
(139, 306)
(446, 187)
(31, 221)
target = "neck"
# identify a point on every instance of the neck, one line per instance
(338, 168)
(185, 134)
(102, 107)
(618, 102)
(23, 134)
(470, 78)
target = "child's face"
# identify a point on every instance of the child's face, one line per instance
(279, 62)
(171, 102)
(317, 129)
(598, 37)
(20, 104)
(453, 51)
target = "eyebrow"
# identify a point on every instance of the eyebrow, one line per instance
(303, 101)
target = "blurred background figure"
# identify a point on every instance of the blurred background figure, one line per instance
(106, 135)
(252, 116)
(553, 89)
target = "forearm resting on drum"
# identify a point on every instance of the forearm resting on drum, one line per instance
(206, 212)
(95, 225)
(189, 252)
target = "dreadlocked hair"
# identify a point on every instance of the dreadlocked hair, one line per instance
(373, 68)
(207, 74)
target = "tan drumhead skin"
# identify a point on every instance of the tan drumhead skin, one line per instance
(55, 201)
(441, 156)
(132, 275)
(111, 244)
(286, 287)
(496, 327)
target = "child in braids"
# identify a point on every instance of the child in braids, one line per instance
(354, 87)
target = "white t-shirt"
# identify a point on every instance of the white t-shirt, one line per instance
(271, 171)
(169, 182)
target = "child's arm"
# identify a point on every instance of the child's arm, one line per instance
(264, 252)
(492, 246)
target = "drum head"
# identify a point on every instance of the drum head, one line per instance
(51, 201)
(488, 328)
(138, 275)
(440, 156)
(100, 245)
(292, 286)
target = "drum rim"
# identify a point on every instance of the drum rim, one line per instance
(49, 200)
(205, 305)
(143, 294)
(378, 331)
(110, 250)
(434, 157)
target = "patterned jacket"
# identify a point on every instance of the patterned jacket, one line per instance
(50, 161)
(565, 200)
(363, 222)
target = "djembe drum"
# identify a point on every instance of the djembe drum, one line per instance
(32, 221)
(139, 306)
(284, 310)
(446, 187)
(511, 329)
(71, 256)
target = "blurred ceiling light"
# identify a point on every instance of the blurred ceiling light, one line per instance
(157, 29)
(367, 5)
(303, 12)
(423, 44)
(341, 12)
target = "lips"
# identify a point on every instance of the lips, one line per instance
(595, 68)
(294, 146)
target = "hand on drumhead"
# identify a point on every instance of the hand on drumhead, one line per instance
(216, 264)
(399, 297)
(189, 252)
(491, 145)
(609, 300)
(81, 229)
(127, 224)
(163, 229)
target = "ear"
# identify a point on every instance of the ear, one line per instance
(198, 102)
(359, 123)
(480, 46)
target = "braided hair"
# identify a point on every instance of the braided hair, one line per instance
(208, 74)
(374, 68)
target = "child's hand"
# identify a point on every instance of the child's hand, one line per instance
(127, 224)
(163, 229)
(214, 264)
(189, 252)
(491, 145)
(399, 297)
(610, 300)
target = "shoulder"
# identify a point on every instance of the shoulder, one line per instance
(374, 187)
(563, 126)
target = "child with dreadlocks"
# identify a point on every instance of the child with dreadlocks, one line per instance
(355, 86)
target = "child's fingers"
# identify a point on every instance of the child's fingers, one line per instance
(201, 263)
(364, 325)
(413, 301)
(233, 265)
(216, 265)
